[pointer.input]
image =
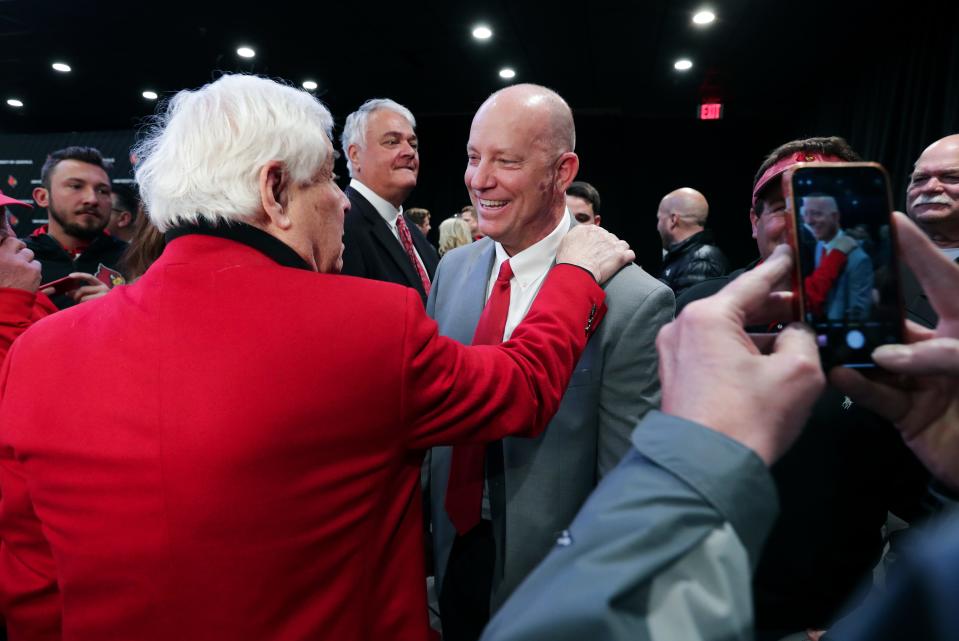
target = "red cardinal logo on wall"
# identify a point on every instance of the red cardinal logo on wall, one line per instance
(11, 181)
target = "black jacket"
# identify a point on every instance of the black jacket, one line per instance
(370, 250)
(692, 261)
(56, 262)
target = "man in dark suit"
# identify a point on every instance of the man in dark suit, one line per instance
(382, 156)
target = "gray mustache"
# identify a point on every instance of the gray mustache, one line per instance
(938, 199)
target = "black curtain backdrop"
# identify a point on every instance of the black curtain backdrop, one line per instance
(889, 101)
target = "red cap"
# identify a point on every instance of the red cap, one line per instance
(7, 200)
(780, 166)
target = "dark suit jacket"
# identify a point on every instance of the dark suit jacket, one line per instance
(372, 251)
(918, 307)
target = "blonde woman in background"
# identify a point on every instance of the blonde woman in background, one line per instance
(454, 232)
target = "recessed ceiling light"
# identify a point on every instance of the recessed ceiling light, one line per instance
(507, 73)
(245, 52)
(309, 85)
(683, 65)
(150, 95)
(61, 67)
(704, 17)
(13, 102)
(482, 32)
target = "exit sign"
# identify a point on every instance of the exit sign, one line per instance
(711, 111)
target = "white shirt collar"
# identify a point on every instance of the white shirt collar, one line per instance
(383, 207)
(832, 243)
(530, 264)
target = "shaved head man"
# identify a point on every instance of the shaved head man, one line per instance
(520, 162)
(530, 133)
(691, 257)
(932, 197)
(932, 200)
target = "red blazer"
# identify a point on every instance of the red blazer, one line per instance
(231, 449)
(19, 309)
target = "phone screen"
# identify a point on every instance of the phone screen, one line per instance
(847, 260)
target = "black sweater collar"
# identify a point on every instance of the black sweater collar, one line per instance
(248, 235)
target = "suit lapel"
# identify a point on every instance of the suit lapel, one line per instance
(475, 284)
(391, 246)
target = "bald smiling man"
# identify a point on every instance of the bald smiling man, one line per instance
(691, 257)
(520, 162)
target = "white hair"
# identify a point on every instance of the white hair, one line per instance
(202, 156)
(354, 131)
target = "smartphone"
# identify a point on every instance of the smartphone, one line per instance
(63, 285)
(847, 266)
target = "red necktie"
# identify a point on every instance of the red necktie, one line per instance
(464, 490)
(407, 241)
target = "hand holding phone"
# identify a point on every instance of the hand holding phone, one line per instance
(847, 269)
(61, 285)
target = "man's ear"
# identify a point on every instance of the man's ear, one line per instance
(753, 220)
(41, 196)
(567, 170)
(273, 181)
(598, 220)
(353, 152)
(125, 219)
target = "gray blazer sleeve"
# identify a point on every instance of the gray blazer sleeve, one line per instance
(661, 550)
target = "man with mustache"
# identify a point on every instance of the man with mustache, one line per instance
(75, 189)
(932, 201)
(382, 156)
(932, 197)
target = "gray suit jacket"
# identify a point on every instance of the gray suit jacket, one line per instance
(662, 550)
(538, 485)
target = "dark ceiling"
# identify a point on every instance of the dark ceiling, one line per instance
(883, 75)
(603, 56)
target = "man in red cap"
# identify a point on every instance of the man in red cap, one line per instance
(20, 302)
(834, 496)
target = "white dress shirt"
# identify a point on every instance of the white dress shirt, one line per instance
(388, 212)
(530, 267)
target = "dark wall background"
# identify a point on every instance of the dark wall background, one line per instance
(889, 96)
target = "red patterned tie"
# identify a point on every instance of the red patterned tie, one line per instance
(407, 241)
(464, 490)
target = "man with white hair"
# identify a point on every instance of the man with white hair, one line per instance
(246, 487)
(382, 156)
